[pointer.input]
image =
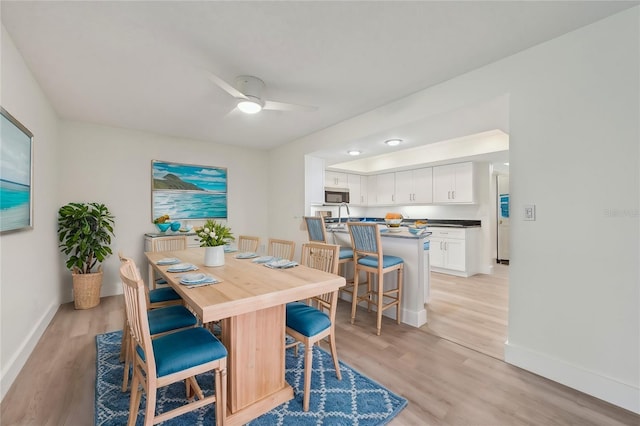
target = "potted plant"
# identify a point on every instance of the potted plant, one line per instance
(84, 235)
(214, 236)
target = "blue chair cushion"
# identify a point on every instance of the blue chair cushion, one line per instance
(161, 281)
(163, 294)
(306, 319)
(185, 349)
(387, 261)
(170, 318)
(346, 253)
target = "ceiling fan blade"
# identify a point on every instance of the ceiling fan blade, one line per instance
(226, 86)
(281, 106)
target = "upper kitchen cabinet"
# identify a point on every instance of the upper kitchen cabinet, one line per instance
(382, 189)
(335, 179)
(453, 183)
(314, 180)
(414, 186)
(357, 189)
(356, 184)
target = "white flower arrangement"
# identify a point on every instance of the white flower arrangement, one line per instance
(214, 234)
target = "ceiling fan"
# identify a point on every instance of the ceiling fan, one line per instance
(248, 94)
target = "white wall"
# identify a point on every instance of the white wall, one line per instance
(574, 279)
(83, 162)
(113, 166)
(29, 291)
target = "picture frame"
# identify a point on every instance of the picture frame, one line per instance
(16, 174)
(188, 191)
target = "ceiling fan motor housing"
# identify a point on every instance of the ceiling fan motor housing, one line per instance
(251, 87)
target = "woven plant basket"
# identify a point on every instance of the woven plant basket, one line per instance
(86, 289)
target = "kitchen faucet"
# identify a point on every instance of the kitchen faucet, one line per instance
(340, 211)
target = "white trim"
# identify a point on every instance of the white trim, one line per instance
(623, 395)
(19, 359)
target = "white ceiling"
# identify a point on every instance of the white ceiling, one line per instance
(144, 65)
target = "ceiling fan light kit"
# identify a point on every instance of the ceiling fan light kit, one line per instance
(248, 94)
(250, 105)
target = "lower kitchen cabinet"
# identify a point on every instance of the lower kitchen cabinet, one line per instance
(455, 251)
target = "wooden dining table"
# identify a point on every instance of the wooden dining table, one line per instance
(250, 302)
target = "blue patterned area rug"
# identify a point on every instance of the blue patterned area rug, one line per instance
(354, 400)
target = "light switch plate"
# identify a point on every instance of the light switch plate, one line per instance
(529, 212)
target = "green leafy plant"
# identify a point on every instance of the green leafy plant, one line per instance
(214, 234)
(84, 234)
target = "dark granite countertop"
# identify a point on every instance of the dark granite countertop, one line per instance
(445, 223)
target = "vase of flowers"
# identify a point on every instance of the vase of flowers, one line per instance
(213, 236)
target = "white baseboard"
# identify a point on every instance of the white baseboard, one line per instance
(608, 389)
(19, 359)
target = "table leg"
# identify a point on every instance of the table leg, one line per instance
(256, 366)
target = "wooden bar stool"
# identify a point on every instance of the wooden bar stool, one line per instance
(368, 257)
(317, 233)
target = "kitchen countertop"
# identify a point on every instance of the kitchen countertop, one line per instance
(402, 232)
(436, 223)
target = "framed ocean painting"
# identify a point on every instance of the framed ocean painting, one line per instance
(187, 191)
(16, 175)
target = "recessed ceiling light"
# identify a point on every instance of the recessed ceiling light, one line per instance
(354, 152)
(393, 142)
(506, 164)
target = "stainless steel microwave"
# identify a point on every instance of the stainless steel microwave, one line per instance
(336, 195)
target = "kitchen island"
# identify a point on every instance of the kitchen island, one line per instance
(414, 249)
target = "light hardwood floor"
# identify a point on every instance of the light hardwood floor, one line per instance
(471, 311)
(445, 383)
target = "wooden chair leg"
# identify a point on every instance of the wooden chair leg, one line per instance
(380, 300)
(334, 354)
(354, 296)
(400, 272)
(150, 407)
(128, 361)
(221, 395)
(308, 363)
(134, 402)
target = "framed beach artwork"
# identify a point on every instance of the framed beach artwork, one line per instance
(16, 174)
(187, 191)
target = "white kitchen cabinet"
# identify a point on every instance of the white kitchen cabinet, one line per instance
(372, 189)
(453, 183)
(313, 180)
(384, 189)
(335, 179)
(455, 251)
(414, 186)
(357, 189)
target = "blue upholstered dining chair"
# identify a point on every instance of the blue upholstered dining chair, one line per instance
(317, 233)
(168, 243)
(162, 320)
(313, 321)
(368, 257)
(170, 358)
(157, 298)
